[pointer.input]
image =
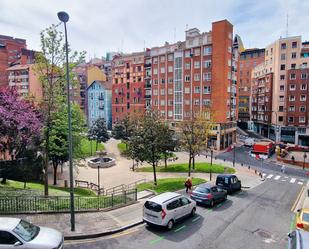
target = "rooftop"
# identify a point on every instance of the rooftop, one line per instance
(164, 197)
(7, 223)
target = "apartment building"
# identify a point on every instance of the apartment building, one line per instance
(287, 60)
(248, 60)
(182, 79)
(128, 88)
(25, 80)
(12, 52)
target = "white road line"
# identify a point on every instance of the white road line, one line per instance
(277, 177)
(286, 177)
(269, 176)
(293, 180)
(263, 175)
(283, 180)
(300, 183)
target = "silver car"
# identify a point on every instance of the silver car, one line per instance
(298, 239)
(18, 233)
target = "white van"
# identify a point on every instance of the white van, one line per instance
(168, 208)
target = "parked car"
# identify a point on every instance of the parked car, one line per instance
(298, 239)
(18, 233)
(168, 208)
(302, 219)
(249, 142)
(208, 194)
(228, 182)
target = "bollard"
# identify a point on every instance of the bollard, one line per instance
(255, 171)
(248, 167)
(242, 164)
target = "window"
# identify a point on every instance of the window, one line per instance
(196, 101)
(155, 60)
(187, 102)
(170, 57)
(282, 57)
(162, 80)
(170, 80)
(280, 108)
(162, 102)
(156, 102)
(294, 44)
(173, 205)
(207, 90)
(162, 91)
(7, 238)
(155, 92)
(291, 98)
(282, 77)
(170, 69)
(170, 113)
(187, 78)
(187, 65)
(290, 119)
(196, 64)
(187, 89)
(207, 64)
(292, 87)
(292, 76)
(206, 102)
(303, 87)
(162, 58)
(229, 49)
(281, 88)
(197, 52)
(207, 51)
(281, 98)
(302, 108)
(162, 69)
(293, 66)
(155, 71)
(187, 53)
(170, 91)
(170, 102)
(303, 97)
(282, 67)
(155, 81)
(283, 45)
(280, 119)
(207, 77)
(293, 55)
(196, 89)
(291, 108)
(303, 76)
(185, 201)
(197, 77)
(302, 119)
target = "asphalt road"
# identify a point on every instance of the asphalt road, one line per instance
(242, 156)
(257, 218)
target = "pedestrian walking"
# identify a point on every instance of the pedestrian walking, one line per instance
(188, 184)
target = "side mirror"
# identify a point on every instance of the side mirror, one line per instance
(298, 210)
(18, 243)
(289, 235)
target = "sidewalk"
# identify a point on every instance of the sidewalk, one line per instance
(90, 224)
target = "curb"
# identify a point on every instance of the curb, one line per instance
(97, 235)
(297, 198)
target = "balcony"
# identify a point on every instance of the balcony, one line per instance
(147, 85)
(148, 96)
(101, 98)
(147, 65)
(101, 107)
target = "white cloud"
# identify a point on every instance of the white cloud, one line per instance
(99, 26)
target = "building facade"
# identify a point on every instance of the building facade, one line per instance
(287, 60)
(248, 59)
(182, 79)
(25, 80)
(99, 97)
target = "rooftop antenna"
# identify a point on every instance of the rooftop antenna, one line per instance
(287, 25)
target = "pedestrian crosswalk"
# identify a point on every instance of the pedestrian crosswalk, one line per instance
(282, 178)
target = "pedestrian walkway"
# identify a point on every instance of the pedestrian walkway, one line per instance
(283, 178)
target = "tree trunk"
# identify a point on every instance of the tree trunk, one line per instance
(189, 169)
(90, 147)
(154, 173)
(133, 166)
(96, 145)
(55, 173)
(193, 161)
(25, 184)
(165, 159)
(46, 163)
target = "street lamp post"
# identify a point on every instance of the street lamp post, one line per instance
(64, 17)
(234, 146)
(305, 156)
(99, 179)
(210, 170)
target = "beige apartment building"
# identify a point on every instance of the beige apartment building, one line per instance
(270, 118)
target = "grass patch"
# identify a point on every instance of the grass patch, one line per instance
(122, 147)
(85, 148)
(15, 188)
(168, 184)
(183, 167)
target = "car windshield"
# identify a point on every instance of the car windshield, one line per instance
(306, 217)
(202, 190)
(153, 206)
(26, 230)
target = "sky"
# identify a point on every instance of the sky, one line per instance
(99, 26)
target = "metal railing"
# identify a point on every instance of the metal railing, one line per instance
(38, 204)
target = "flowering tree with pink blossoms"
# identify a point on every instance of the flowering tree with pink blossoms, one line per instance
(20, 124)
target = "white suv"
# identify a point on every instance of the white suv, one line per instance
(168, 208)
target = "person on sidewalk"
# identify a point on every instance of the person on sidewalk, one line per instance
(188, 184)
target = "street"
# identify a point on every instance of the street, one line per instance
(255, 218)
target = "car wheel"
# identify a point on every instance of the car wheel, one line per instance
(170, 225)
(193, 212)
(212, 203)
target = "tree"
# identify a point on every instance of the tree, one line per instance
(146, 142)
(20, 124)
(98, 131)
(58, 135)
(51, 71)
(195, 133)
(123, 129)
(169, 142)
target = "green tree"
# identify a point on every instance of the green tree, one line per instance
(123, 129)
(50, 67)
(58, 150)
(98, 132)
(169, 142)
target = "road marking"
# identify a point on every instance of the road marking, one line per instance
(283, 180)
(195, 219)
(263, 175)
(293, 180)
(269, 176)
(300, 183)
(277, 177)
(179, 228)
(286, 177)
(152, 242)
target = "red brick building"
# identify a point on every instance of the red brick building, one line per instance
(180, 79)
